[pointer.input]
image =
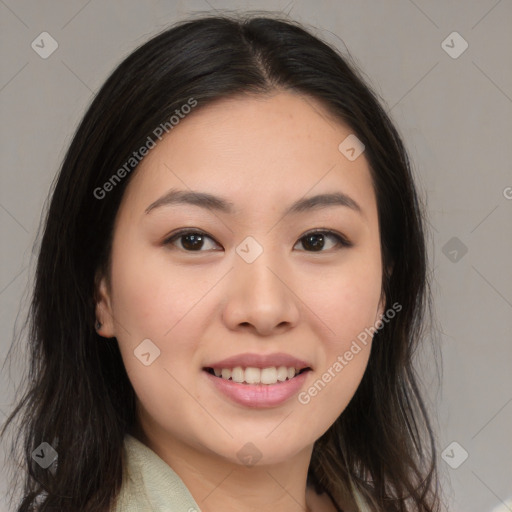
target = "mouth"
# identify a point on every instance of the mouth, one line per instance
(257, 376)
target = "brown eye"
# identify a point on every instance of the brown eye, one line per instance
(191, 241)
(316, 241)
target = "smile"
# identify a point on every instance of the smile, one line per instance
(257, 395)
(252, 375)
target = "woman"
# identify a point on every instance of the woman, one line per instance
(230, 288)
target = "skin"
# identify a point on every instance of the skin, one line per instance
(261, 153)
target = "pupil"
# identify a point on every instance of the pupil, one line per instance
(315, 241)
(192, 238)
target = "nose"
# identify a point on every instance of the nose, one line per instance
(260, 298)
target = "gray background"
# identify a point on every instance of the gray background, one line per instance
(455, 115)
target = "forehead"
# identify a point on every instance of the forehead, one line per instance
(259, 151)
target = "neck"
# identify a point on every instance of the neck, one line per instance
(220, 484)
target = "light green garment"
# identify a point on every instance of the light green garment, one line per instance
(151, 485)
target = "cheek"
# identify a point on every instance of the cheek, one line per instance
(155, 301)
(346, 303)
(345, 300)
(327, 395)
(153, 306)
(152, 295)
(342, 361)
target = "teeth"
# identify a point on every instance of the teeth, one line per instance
(238, 374)
(251, 375)
(282, 373)
(269, 375)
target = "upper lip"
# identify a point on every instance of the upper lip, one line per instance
(260, 361)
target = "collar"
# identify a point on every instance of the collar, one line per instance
(150, 484)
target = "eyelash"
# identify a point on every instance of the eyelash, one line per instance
(342, 242)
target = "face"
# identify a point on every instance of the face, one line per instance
(244, 284)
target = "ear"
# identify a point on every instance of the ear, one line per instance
(104, 314)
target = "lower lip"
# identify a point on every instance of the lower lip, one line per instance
(258, 395)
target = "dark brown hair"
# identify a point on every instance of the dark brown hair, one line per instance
(79, 398)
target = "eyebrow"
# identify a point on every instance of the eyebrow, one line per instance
(214, 203)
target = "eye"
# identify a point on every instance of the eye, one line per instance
(191, 241)
(314, 241)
